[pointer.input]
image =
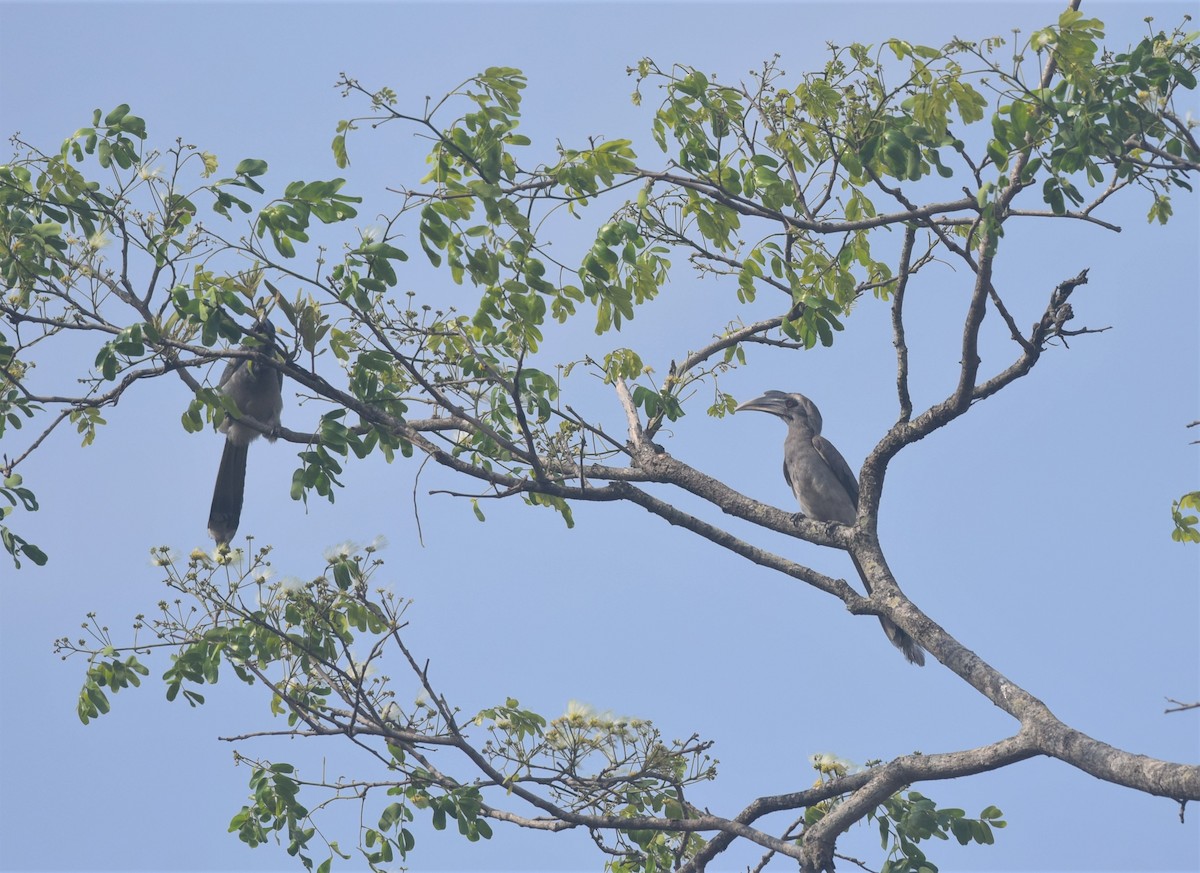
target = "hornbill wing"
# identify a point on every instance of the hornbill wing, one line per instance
(834, 460)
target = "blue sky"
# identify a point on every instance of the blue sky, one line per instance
(1036, 529)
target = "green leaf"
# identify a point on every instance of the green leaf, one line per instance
(33, 553)
(116, 115)
(251, 167)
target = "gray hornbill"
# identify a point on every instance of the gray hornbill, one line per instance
(255, 389)
(822, 481)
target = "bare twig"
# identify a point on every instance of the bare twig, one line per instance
(898, 324)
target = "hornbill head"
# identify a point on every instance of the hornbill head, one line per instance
(792, 408)
(263, 331)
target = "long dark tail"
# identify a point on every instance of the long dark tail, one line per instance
(226, 509)
(899, 638)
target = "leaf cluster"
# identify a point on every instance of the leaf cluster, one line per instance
(301, 641)
(908, 818)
